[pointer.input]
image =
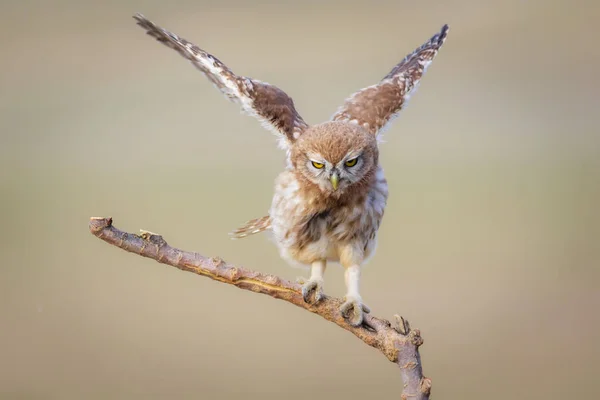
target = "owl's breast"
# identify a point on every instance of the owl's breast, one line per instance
(306, 229)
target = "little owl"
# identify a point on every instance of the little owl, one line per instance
(330, 200)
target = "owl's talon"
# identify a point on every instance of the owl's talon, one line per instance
(311, 286)
(353, 310)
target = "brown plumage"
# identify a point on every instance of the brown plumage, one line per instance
(330, 200)
(269, 104)
(376, 106)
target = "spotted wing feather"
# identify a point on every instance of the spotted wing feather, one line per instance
(251, 227)
(269, 104)
(376, 106)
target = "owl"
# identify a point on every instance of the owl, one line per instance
(330, 199)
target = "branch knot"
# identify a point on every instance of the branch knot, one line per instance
(415, 337)
(153, 238)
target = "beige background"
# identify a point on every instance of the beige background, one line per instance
(491, 239)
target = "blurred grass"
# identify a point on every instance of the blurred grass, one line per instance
(489, 246)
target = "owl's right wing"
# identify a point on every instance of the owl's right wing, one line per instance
(374, 107)
(269, 104)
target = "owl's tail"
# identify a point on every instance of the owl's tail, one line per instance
(251, 227)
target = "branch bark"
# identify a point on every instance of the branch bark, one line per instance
(398, 342)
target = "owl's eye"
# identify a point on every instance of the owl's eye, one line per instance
(317, 165)
(351, 163)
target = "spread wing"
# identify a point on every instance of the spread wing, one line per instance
(376, 106)
(266, 102)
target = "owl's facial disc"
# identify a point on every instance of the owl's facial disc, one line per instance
(335, 176)
(335, 156)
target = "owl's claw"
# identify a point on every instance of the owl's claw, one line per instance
(311, 286)
(353, 310)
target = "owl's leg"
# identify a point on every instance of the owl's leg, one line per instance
(353, 308)
(314, 283)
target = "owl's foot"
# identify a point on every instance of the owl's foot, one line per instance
(353, 310)
(312, 286)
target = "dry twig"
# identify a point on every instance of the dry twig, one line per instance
(399, 343)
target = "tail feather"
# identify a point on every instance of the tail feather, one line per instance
(251, 227)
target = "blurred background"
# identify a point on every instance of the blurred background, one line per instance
(490, 243)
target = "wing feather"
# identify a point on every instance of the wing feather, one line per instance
(374, 107)
(269, 104)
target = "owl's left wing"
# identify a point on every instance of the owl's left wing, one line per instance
(375, 106)
(269, 104)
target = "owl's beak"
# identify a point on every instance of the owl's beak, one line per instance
(335, 179)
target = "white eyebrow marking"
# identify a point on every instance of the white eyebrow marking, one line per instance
(316, 158)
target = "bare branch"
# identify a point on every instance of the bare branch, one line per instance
(399, 344)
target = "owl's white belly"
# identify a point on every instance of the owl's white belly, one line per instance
(346, 233)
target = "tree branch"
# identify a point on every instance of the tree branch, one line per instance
(399, 343)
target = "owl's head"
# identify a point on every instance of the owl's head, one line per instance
(335, 156)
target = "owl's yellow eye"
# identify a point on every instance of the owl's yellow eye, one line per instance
(351, 163)
(318, 165)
